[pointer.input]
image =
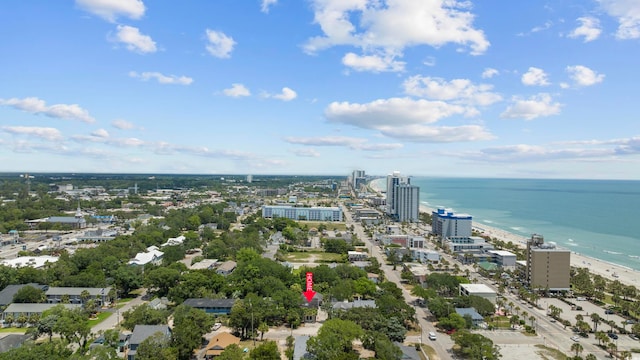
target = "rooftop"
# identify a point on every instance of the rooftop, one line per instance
(477, 288)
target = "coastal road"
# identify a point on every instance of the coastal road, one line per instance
(443, 344)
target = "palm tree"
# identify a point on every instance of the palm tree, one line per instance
(577, 348)
(625, 355)
(590, 357)
(596, 320)
(612, 348)
(532, 319)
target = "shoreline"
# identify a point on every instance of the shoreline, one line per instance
(609, 270)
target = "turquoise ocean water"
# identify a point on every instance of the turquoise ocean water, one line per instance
(597, 218)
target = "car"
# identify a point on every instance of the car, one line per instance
(609, 311)
(613, 336)
(633, 336)
(432, 335)
(575, 338)
(217, 326)
(630, 321)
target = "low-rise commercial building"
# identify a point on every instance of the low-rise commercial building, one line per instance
(480, 290)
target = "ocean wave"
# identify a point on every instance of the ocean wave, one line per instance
(570, 240)
(488, 221)
(634, 256)
(612, 252)
(572, 244)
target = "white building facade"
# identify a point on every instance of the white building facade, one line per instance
(445, 223)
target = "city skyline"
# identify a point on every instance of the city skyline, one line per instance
(427, 87)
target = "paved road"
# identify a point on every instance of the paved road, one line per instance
(116, 316)
(443, 345)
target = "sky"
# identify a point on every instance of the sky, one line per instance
(492, 88)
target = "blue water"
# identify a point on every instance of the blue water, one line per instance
(597, 218)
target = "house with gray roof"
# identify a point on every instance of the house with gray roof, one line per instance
(226, 267)
(141, 333)
(476, 318)
(7, 294)
(57, 294)
(211, 306)
(28, 309)
(346, 305)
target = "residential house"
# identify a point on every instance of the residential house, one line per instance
(35, 262)
(212, 306)
(375, 278)
(206, 264)
(151, 256)
(346, 305)
(174, 241)
(476, 318)
(357, 255)
(15, 310)
(226, 267)
(218, 343)
(7, 294)
(75, 295)
(141, 333)
(312, 306)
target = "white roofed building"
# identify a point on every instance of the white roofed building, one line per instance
(151, 256)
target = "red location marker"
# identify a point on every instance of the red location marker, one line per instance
(309, 293)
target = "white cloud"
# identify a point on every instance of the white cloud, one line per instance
(488, 73)
(237, 90)
(61, 111)
(102, 133)
(373, 63)
(134, 40)
(589, 29)
(438, 134)
(583, 76)
(390, 112)
(458, 90)
(535, 77)
(219, 44)
(627, 13)
(395, 25)
(350, 142)
(46, 133)
(110, 10)
(161, 78)
(266, 4)
(536, 106)
(287, 94)
(306, 152)
(122, 124)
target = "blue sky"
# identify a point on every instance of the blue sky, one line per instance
(433, 88)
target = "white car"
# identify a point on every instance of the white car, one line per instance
(217, 326)
(575, 338)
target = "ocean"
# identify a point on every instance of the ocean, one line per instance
(596, 218)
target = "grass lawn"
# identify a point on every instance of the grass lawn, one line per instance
(13, 330)
(431, 353)
(100, 318)
(552, 353)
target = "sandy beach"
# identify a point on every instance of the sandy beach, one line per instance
(608, 270)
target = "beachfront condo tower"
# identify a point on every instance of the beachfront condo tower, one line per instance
(547, 266)
(447, 224)
(403, 199)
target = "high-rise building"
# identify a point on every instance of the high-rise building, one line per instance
(547, 266)
(403, 199)
(358, 178)
(446, 224)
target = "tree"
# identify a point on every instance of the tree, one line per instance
(29, 294)
(577, 348)
(263, 328)
(596, 320)
(162, 278)
(265, 351)
(590, 357)
(156, 347)
(452, 322)
(474, 346)
(334, 339)
(143, 315)
(231, 352)
(189, 325)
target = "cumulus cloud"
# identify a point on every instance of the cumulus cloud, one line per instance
(306, 152)
(122, 124)
(45, 133)
(266, 5)
(583, 76)
(287, 94)
(393, 112)
(391, 27)
(100, 133)
(589, 29)
(488, 73)
(35, 105)
(237, 90)
(161, 78)
(134, 40)
(627, 12)
(539, 105)
(373, 63)
(458, 90)
(110, 10)
(438, 134)
(219, 44)
(535, 77)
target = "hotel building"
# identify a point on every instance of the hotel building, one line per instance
(547, 266)
(302, 213)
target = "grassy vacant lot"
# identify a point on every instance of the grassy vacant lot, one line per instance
(548, 353)
(339, 226)
(313, 257)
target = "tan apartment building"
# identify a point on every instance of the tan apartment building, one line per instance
(547, 266)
